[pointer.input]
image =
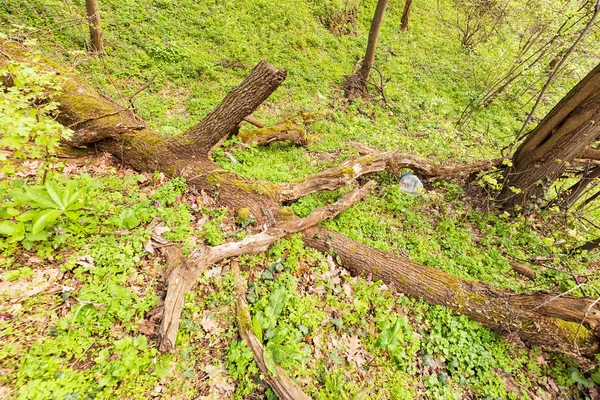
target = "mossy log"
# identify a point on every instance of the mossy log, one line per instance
(540, 319)
(290, 130)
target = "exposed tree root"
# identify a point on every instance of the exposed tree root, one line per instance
(276, 377)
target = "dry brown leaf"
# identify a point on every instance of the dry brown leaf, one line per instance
(210, 326)
(148, 247)
(147, 328)
(354, 352)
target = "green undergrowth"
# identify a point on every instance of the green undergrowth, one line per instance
(81, 233)
(331, 332)
(199, 51)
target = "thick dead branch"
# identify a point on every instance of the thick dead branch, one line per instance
(237, 105)
(523, 270)
(253, 121)
(277, 379)
(591, 154)
(289, 130)
(349, 170)
(184, 272)
(539, 318)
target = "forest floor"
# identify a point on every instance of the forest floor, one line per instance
(78, 309)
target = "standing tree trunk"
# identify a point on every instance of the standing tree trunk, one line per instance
(93, 16)
(356, 84)
(571, 126)
(405, 16)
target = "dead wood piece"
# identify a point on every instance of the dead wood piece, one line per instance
(252, 120)
(591, 154)
(284, 131)
(283, 386)
(238, 104)
(539, 319)
(180, 278)
(523, 270)
(182, 273)
(349, 170)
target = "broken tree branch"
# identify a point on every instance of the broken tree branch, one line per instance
(237, 105)
(351, 169)
(277, 379)
(185, 272)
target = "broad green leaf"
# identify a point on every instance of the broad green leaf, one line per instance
(44, 218)
(270, 362)
(73, 216)
(53, 191)
(8, 228)
(64, 198)
(256, 328)
(40, 197)
(35, 237)
(12, 211)
(277, 300)
(28, 215)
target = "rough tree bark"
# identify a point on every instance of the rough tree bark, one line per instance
(560, 137)
(541, 319)
(405, 16)
(93, 16)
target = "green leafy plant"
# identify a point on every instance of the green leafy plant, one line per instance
(29, 211)
(397, 339)
(27, 112)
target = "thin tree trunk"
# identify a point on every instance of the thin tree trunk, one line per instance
(405, 16)
(573, 193)
(558, 66)
(369, 60)
(93, 15)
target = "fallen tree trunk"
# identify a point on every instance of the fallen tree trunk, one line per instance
(109, 127)
(533, 317)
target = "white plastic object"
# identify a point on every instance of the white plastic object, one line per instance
(411, 184)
